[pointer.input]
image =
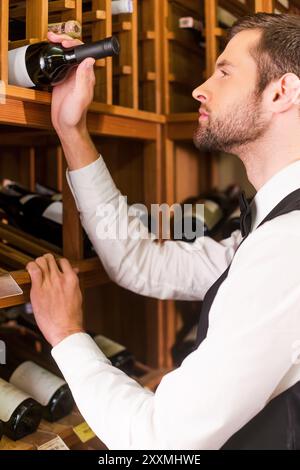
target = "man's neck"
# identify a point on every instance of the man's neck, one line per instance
(266, 157)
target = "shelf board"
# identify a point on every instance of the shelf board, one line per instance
(31, 108)
(181, 126)
(91, 273)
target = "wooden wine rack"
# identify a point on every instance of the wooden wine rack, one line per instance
(142, 119)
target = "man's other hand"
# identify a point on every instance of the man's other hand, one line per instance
(56, 298)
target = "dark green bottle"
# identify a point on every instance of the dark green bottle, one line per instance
(43, 64)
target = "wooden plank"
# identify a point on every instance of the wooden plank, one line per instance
(165, 58)
(91, 273)
(128, 84)
(3, 40)
(72, 229)
(104, 77)
(95, 15)
(43, 97)
(36, 19)
(211, 40)
(24, 242)
(60, 5)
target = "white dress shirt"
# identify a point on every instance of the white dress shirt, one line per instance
(253, 338)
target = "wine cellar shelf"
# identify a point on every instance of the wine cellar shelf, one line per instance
(142, 118)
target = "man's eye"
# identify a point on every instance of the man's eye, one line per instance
(225, 74)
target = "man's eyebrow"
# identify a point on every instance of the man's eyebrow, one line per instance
(224, 63)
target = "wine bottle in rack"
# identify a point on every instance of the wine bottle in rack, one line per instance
(50, 391)
(19, 413)
(119, 7)
(217, 205)
(118, 355)
(41, 215)
(43, 63)
(195, 27)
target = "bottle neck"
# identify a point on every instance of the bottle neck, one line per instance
(70, 57)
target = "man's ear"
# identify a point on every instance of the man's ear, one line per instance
(285, 93)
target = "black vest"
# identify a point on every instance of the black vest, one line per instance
(277, 426)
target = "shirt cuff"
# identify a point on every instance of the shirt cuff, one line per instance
(91, 185)
(74, 352)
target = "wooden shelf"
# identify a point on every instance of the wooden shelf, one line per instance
(91, 273)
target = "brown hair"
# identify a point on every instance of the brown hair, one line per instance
(278, 50)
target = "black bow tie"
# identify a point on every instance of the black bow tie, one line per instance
(245, 219)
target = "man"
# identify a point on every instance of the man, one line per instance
(240, 387)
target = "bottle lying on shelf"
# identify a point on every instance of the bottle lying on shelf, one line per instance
(188, 22)
(23, 369)
(19, 413)
(231, 224)
(119, 7)
(41, 215)
(118, 355)
(43, 64)
(218, 205)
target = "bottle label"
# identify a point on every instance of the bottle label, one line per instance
(36, 381)
(107, 346)
(84, 432)
(55, 444)
(17, 71)
(10, 398)
(27, 198)
(54, 212)
(212, 213)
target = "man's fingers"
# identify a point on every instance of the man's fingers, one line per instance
(43, 265)
(85, 77)
(64, 39)
(52, 264)
(65, 266)
(35, 273)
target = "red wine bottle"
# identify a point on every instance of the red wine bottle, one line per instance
(20, 414)
(50, 391)
(43, 63)
(217, 207)
(41, 215)
(118, 355)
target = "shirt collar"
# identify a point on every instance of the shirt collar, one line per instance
(273, 191)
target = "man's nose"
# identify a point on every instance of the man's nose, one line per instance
(200, 95)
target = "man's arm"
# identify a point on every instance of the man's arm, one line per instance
(170, 270)
(239, 367)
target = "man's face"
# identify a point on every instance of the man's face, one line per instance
(231, 113)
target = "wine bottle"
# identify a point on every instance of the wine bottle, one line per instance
(22, 369)
(71, 28)
(231, 224)
(121, 6)
(188, 22)
(118, 355)
(39, 215)
(43, 63)
(217, 206)
(19, 413)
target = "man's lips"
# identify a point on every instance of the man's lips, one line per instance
(203, 112)
(203, 115)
